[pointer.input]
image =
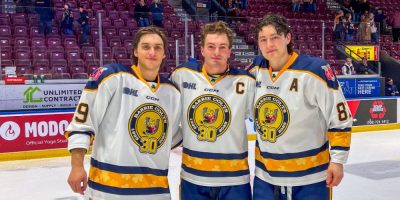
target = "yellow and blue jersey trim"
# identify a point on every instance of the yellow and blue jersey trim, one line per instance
(207, 164)
(303, 63)
(339, 139)
(258, 62)
(127, 180)
(293, 164)
(109, 70)
(199, 68)
(314, 65)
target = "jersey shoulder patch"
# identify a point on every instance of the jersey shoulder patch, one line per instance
(318, 67)
(103, 72)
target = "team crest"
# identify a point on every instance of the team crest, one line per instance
(328, 72)
(271, 117)
(148, 127)
(98, 73)
(209, 117)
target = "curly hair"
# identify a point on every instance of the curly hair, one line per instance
(279, 23)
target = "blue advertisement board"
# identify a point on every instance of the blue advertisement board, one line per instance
(360, 87)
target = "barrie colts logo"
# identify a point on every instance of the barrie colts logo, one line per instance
(209, 116)
(148, 127)
(151, 125)
(272, 117)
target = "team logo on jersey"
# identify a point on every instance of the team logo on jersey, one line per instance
(209, 116)
(271, 117)
(98, 73)
(148, 127)
(328, 73)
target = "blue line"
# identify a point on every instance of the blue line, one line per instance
(312, 170)
(287, 156)
(373, 98)
(339, 130)
(38, 111)
(340, 148)
(177, 145)
(215, 173)
(127, 169)
(208, 155)
(127, 191)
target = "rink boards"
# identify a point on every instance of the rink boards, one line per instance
(39, 133)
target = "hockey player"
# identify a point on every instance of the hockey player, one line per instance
(302, 120)
(132, 114)
(216, 101)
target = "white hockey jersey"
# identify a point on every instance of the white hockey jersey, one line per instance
(133, 126)
(302, 121)
(215, 141)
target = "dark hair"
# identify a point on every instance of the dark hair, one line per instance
(218, 27)
(145, 31)
(388, 79)
(279, 23)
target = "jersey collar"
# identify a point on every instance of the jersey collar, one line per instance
(205, 74)
(289, 63)
(134, 68)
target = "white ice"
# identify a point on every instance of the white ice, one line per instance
(372, 173)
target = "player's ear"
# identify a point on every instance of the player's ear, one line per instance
(202, 51)
(289, 37)
(135, 52)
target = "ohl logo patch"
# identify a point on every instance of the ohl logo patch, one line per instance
(148, 127)
(271, 117)
(209, 116)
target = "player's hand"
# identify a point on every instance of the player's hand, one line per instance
(335, 174)
(77, 179)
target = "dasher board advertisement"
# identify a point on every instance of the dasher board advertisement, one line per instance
(373, 111)
(48, 96)
(27, 132)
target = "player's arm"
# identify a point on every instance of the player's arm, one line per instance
(177, 136)
(77, 178)
(329, 98)
(339, 136)
(85, 122)
(250, 95)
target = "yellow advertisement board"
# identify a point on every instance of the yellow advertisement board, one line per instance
(370, 52)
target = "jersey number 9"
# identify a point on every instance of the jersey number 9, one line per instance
(81, 113)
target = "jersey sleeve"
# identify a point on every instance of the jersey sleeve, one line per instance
(90, 111)
(258, 62)
(177, 136)
(175, 79)
(327, 94)
(250, 98)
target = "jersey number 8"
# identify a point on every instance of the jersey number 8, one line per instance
(342, 113)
